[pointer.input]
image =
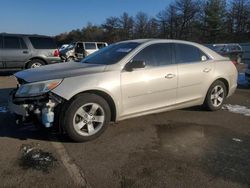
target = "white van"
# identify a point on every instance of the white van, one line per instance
(78, 50)
(91, 47)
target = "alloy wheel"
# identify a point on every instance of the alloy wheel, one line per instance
(89, 119)
(217, 95)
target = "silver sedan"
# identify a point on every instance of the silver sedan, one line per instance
(124, 80)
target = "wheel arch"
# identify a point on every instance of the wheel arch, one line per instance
(40, 58)
(224, 80)
(106, 97)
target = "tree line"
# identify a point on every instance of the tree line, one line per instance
(203, 21)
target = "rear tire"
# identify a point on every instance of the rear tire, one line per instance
(35, 63)
(215, 96)
(86, 117)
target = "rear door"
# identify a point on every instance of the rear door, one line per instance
(194, 72)
(14, 52)
(43, 46)
(90, 47)
(1, 44)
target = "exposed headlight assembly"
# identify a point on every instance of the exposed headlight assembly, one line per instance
(37, 88)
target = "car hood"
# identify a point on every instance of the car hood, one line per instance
(58, 71)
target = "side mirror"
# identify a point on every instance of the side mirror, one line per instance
(135, 65)
(203, 58)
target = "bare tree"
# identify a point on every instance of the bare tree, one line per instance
(126, 25)
(112, 29)
(141, 25)
(214, 20)
(240, 13)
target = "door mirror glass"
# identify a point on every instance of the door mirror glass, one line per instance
(203, 58)
(135, 65)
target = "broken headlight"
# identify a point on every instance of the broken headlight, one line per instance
(37, 88)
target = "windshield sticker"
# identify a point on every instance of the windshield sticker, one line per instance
(124, 50)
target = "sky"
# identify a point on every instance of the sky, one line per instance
(52, 17)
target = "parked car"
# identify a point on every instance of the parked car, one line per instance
(64, 46)
(124, 80)
(247, 73)
(27, 51)
(78, 50)
(233, 51)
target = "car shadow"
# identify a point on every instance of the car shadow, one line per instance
(194, 109)
(9, 129)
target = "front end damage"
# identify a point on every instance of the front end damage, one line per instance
(42, 108)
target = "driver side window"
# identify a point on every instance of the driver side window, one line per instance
(155, 55)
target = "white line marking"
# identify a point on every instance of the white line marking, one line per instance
(74, 171)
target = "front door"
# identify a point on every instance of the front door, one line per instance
(152, 87)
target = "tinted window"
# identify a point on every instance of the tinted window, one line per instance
(187, 53)
(155, 55)
(100, 45)
(42, 43)
(11, 43)
(90, 46)
(22, 43)
(111, 54)
(234, 47)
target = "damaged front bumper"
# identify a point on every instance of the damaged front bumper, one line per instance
(41, 108)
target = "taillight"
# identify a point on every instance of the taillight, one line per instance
(56, 53)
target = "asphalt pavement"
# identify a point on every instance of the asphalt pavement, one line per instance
(182, 148)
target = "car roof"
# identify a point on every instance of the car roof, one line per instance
(212, 54)
(23, 35)
(228, 44)
(159, 40)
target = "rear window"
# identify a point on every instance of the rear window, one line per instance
(100, 45)
(234, 47)
(42, 42)
(90, 46)
(185, 53)
(11, 43)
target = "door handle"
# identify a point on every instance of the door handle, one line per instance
(206, 70)
(169, 76)
(25, 52)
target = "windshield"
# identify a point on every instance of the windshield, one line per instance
(71, 46)
(220, 48)
(111, 54)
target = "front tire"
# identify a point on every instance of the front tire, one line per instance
(215, 96)
(86, 117)
(35, 63)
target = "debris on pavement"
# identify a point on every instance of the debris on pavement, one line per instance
(32, 157)
(237, 109)
(3, 109)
